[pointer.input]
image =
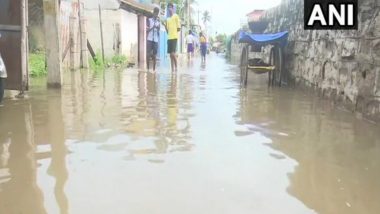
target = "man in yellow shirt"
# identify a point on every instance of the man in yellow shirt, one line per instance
(173, 26)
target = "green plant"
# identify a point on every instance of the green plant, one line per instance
(97, 63)
(119, 60)
(37, 64)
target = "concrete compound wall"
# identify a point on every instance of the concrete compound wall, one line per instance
(117, 40)
(342, 65)
(109, 19)
(129, 36)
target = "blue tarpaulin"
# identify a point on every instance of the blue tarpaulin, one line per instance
(264, 39)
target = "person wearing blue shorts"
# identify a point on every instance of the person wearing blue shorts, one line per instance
(203, 41)
(190, 40)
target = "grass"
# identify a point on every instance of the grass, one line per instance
(119, 60)
(98, 64)
(37, 64)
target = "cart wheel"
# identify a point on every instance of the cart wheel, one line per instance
(278, 64)
(244, 66)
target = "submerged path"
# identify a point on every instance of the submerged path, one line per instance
(191, 142)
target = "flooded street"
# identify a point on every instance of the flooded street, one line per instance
(192, 142)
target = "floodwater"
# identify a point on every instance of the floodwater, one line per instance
(190, 142)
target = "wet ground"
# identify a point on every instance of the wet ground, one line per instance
(190, 142)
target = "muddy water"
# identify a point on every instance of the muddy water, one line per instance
(191, 142)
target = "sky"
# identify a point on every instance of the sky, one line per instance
(227, 15)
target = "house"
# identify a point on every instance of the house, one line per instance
(254, 22)
(255, 15)
(123, 23)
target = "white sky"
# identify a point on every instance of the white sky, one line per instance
(226, 15)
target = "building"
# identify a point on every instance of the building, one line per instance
(255, 15)
(123, 23)
(254, 22)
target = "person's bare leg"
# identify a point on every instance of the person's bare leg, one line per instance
(147, 62)
(154, 62)
(172, 61)
(175, 61)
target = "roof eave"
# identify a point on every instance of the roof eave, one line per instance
(136, 7)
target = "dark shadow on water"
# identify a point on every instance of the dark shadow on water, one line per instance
(19, 192)
(27, 127)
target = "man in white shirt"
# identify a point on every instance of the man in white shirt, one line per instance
(190, 40)
(153, 31)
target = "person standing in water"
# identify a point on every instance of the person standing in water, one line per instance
(153, 31)
(173, 26)
(203, 44)
(190, 40)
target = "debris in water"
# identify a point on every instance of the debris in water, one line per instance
(242, 133)
(283, 134)
(278, 156)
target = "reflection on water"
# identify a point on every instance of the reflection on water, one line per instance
(186, 142)
(19, 192)
(56, 139)
(338, 167)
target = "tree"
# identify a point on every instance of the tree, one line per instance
(221, 38)
(206, 17)
(179, 6)
(211, 41)
(182, 7)
(189, 4)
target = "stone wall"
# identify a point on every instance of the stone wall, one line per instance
(341, 65)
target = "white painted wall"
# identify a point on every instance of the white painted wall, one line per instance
(109, 18)
(129, 35)
(128, 31)
(105, 4)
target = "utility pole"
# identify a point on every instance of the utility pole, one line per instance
(24, 45)
(188, 14)
(52, 42)
(141, 41)
(198, 17)
(101, 31)
(83, 37)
